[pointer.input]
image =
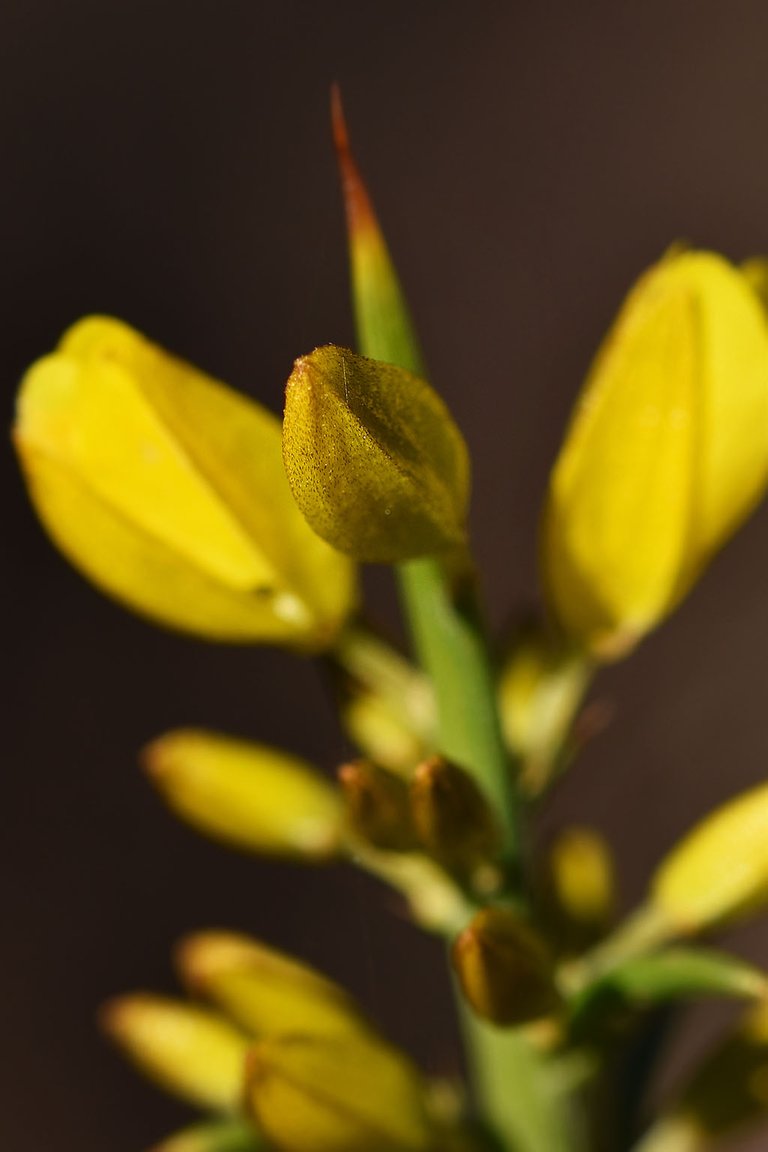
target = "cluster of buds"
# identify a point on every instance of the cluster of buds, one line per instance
(276, 1052)
(186, 502)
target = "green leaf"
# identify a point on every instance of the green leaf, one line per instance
(675, 974)
(373, 458)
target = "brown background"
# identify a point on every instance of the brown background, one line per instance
(169, 162)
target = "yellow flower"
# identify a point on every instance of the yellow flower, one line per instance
(254, 797)
(719, 871)
(167, 489)
(666, 455)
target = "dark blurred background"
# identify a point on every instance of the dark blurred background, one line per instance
(169, 163)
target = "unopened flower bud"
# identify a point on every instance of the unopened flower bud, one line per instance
(541, 686)
(666, 455)
(189, 1051)
(249, 795)
(167, 489)
(262, 990)
(578, 884)
(377, 727)
(720, 870)
(336, 1094)
(455, 823)
(373, 458)
(378, 806)
(504, 969)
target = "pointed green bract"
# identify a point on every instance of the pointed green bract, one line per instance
(373, 458)
(383, 322)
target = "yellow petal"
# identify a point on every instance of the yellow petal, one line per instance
(189, 1051)
(167, 490)
(720, 870)
(666, 455)
(336, 1095)
(249, 795)
(265, 992)
(374, 460)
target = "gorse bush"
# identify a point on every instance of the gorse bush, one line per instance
(191, 505)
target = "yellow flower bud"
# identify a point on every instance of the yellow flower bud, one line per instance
(189, 1051)
(720, 870)
(336, 1094)
(253, 797)
(167, 489)
(666, 455)
(541, 687)
(263, 991)
(377, 726)
(374, 459)
(581, 876)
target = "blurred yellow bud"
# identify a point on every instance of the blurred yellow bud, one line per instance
(579, 888)
(666, 454)
(720, 870)
(378, 806)
(263, 991)
(376, 726)
(334, 1094)
(220, 1136)
(191, 1052)
(373, 457)
(167, 489)
(504, 969)
(541, 686)
(253, 797)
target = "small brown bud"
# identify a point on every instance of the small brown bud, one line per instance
(456, 824)
(378, 807)
(504, 969)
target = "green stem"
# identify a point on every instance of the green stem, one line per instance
(515, 1086)
(519, 1090)
(450, 643)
